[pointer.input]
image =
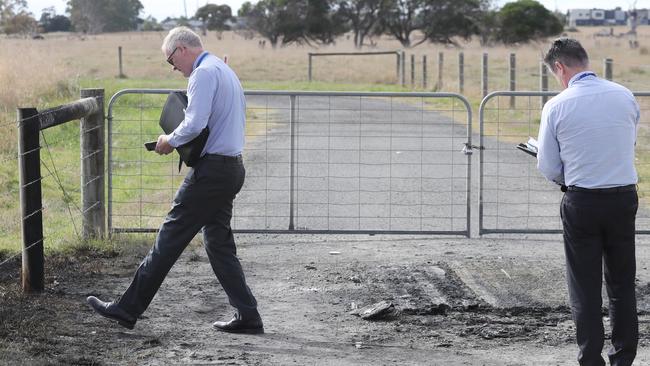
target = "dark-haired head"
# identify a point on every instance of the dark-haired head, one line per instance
(567, 51)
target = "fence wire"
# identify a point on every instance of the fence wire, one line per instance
(514, 196)
(361, 163)
(61, 208)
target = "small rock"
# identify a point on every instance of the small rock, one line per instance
(310, 267)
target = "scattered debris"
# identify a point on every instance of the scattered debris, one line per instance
(380, 310)
(506, 273)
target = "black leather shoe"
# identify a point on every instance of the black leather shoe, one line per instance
(238, 325)
(111, 311)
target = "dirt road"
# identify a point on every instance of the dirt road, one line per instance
(459, 302)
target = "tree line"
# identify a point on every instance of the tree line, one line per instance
(315, 22)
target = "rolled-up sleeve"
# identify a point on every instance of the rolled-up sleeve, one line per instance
(200, 93)
(549, 162)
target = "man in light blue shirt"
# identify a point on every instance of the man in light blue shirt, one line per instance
(205, 199)
(586, 142)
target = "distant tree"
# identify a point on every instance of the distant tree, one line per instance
(294, 21)
(91, 16)
(488, 27)
(264, 18)
(10, 8)
(215, 16)
(363, 17)
(401, 18)
(51, 22)
(526, 20)
(444, 20)
(151, 24)
(324, 21)
(245, 9)
(21, 23)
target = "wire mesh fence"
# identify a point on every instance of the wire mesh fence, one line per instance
(513, 196)
(316, 162)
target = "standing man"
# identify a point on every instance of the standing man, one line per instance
(205, 198)
(586, 142)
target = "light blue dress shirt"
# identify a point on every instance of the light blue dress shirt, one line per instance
(587, 134)
(215, 99)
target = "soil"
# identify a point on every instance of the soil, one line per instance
(498, 301)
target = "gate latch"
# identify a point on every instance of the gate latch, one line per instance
(467, 148)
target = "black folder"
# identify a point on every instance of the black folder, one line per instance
(172, 115)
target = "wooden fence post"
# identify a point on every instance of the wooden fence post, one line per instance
(543, 81)
(513, 77)
(412, 71)
(402, 75)
(441, 68)
(31, 206)
(461, 72)
(484, 76)
(309, 67)
(424, 72)
(119, 57)
(608, 65)
(397, 64)
(92, 168)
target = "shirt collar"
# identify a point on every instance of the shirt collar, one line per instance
(580, 76)
(198, 60)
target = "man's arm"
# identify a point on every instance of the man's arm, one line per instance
(549, 162)
(200, 92)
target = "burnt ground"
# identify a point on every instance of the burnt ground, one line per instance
(498, 301)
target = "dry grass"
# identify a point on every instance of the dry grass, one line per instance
(28, 68)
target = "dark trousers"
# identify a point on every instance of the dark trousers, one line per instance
(601, 226)
(204, 201)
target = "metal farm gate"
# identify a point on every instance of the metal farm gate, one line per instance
(513, 196)
(316, 162)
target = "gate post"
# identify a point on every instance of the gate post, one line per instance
(31, 204)
(92, 168)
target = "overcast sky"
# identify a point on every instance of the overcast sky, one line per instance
(161, 9)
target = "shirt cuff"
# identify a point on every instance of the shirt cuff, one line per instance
(171, 140)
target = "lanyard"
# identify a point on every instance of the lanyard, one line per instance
(584, 76)
(198, 63)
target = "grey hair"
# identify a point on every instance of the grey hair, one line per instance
(181, 36)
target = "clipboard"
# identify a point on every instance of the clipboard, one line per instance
(530, 147)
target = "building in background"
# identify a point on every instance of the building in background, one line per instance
(600, 17)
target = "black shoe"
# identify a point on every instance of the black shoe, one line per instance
(111, 311)
(238, 325)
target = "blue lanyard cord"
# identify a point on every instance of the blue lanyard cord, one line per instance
(584, 76)
(201, 58)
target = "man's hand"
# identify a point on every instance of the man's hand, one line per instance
(163, 147)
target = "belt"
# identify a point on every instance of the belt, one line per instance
(620, 189)
(220, 157)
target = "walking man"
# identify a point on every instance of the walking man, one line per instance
(205, 198)
(586, 139)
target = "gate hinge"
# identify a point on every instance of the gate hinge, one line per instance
(468, 148)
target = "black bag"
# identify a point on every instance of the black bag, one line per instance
(172, 115)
